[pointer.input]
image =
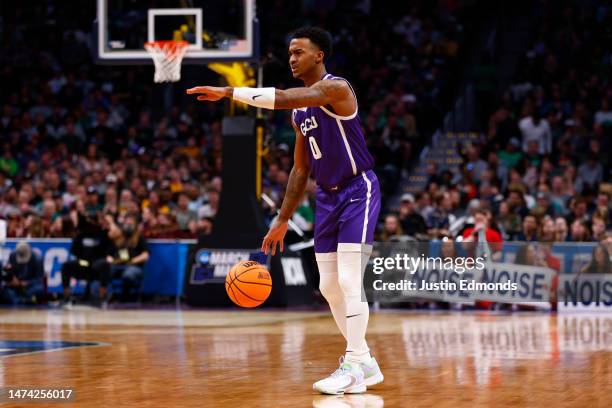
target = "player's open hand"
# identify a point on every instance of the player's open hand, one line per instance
(274, 237)
(209, 93)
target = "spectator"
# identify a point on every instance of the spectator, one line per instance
(558, 196)
(536, 132)
(561, 230)
(8, 164)
(89, 248)
(474, 164)
(128, 254)
(549, 259)
(600, 261)
(544, 206)
(590, 173)
(185, 218)
(392, 229)
(579, 231)
(530, 229)
(509, 222)
(516, 201)
(553, 263)
(423, 204)
(511, 157)
(578, 209)
(547, 230)
(441, 217)
(209, 210)
(527, 255)
(603, 117)
(477, 238)
(411, 221)
(92, 206)
(598, 229)
(23, 277)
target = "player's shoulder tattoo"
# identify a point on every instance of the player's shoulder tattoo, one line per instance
(333, 85)
(334, 88)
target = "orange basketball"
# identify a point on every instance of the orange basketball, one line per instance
(248, 284)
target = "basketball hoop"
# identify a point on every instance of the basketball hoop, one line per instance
(167, 56)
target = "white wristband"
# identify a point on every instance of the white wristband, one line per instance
(259, 97)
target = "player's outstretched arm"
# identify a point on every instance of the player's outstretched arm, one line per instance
(322, 93)
(298, 179)
(326, 92)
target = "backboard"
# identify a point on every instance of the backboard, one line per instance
(216, 30)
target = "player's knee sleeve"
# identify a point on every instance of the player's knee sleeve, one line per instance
(349, 273)
(352, 260)
(330, 288)
(328, 277)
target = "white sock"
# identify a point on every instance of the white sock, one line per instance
(350, 268)
(357, 350)
(330, 288)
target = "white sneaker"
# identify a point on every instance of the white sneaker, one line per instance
(347, 379)
(371, 373)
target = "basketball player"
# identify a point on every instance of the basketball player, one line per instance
(329, 143)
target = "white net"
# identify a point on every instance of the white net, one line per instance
(167, 57)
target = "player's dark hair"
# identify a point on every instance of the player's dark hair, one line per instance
(317, 36)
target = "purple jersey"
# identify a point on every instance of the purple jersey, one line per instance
(336, 143)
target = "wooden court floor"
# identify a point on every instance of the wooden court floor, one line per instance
(271, 359)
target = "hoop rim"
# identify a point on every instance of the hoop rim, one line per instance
(162, 44)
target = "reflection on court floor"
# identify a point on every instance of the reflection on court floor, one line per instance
(272, 358)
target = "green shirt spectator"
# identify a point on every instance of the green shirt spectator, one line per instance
(8, 164)
(511, 156)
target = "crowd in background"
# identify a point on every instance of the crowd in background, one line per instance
(541, 168)
(80, 141)
(79, 138)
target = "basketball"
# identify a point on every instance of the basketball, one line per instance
(248, 284)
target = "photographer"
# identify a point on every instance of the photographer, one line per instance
(23, 277)
(129, 253)
(90, 247)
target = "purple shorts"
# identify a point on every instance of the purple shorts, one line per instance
(348, 214)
